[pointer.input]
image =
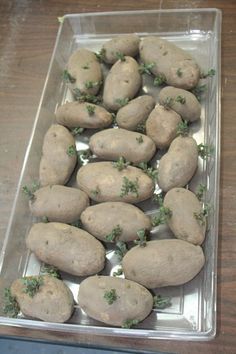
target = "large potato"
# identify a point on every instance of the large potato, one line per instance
(57, 163)
(163, 263)
(122, 83)
(59, 203)
(126, 44)
(183, 223)
(84, 115)
(110, 144)
(179, 164)
(128, 300)
(177, 66)
(103, 182)
(103, 219)
(66, 247)
(52, 302)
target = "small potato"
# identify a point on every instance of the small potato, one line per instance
(177, 66)
(126, 44)
(179, 164)
(52, 302)
(114, 300)
(101, 219)
(163, 263)
(59, 203)
(135, 112)
(57, 163)
(181, 101)
(66, 247)
(183, 223)
(161, 126)
(122, 83)
(84, 115)
(103, 182)
(110, 144)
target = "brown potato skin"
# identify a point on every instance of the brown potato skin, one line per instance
(133, 300)
(100, 219)
(66, 247)
(52, 303)
(163, 263)
(126, 44)
(75, 114)
(56, 166)
(110, 144)
(59, 203)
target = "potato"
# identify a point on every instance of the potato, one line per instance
(52, 302)
(161, 126)
(103, 182)
(181, 101)
(59, 203)
(66, 247)
(177, 66)
(110, 144)
(114, 300)
(84, 115)
(122, 83)
(135, 112)
(126, 44)
(101, 219)
(179, 164)
(163, 263)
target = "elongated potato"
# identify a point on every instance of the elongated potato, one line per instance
(101, 219)
(52, 302)
(135, 112)
(177, 66)
(110, 144)
(179, 164)
(103, 182)
(57, 163)
(163, 263)
(122, 83)
(66, 247)
(84, 115)
(114, 300)
(126, 44)
(59, 203)
(161, 126)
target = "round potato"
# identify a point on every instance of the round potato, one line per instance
(58, 156)
(59, 203)
(113, 221)
(52, 301)
(177, 66)
(114, 301)
(163, 263)
(126, 44)
(103, 182)
(122, 83)
(110, 144)
(66, 247)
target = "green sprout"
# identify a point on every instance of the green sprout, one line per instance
(11, 307)
(141, 127)
(139, 139)
(101, 55)
(182, 128)
(118, 272)
(161, 302)
(91, 84)
(114, 234)
(71, 151)
(90, 109)
(120, 56)
(200, 191)
(180, 99)
(50, 270)
(96, 192)
(29, 191)
(86, 67)
(210, 73)
(121, 249)
(142, 238)
(150, 171)
(164, 213)
(198, 91)
(122, 101)
(121, 164)
(77, 131)
(32, 285)
(45, 219)
(129, 186)
(129, 323)
(203, 214)
(84, 156)
(168, 102)
(110, 296)
(82, 97)
(179, 72)
(159, 80)
(77, 224)
(67, 77)
(205, 151)
(146, 68)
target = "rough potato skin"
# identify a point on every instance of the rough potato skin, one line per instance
(133, 300)
(56, 166)
(190, 110)
(135, 112)
(184, 225)
(68, 248)
(76, 114)
(179, 164)
(163, 263)
(110, 144)
(103, 182)
(161, 126)
(52, 303)
(178, 67)
(100, 219)
(59, 203)
(126, 44)
(123, 81)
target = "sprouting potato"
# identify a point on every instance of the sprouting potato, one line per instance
(126, 44)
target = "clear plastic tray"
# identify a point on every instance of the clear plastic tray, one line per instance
(192, 314)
